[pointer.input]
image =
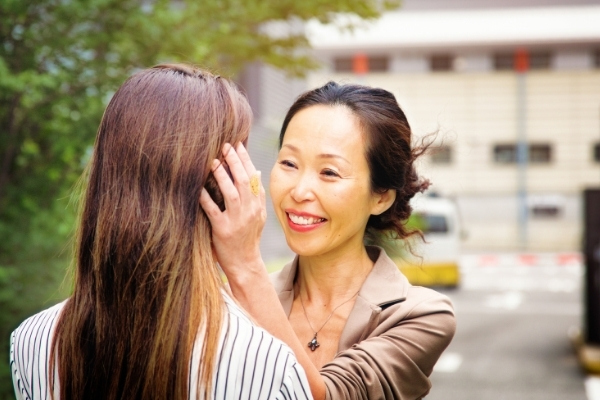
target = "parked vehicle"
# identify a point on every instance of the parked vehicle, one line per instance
(435, 262)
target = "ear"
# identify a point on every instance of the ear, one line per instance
(382, 201)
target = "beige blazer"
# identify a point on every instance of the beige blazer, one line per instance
(394, 335)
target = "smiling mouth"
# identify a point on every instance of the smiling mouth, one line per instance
(299, 220)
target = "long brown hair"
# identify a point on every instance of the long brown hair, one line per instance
(146, 281)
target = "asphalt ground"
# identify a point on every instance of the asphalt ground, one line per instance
(514, 314)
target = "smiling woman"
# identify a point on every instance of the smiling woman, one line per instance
(320, 176)
(344, 175)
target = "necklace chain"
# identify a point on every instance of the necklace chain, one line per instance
(313, 344)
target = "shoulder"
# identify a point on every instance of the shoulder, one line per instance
(37, 325)
(422, 307)
(242, 333)
(29, 351)
(387, 288)
(423, 300)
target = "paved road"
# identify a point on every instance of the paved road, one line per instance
(514, 313)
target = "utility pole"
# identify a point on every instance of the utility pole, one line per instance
(521, 65)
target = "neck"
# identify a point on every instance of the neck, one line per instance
(329, 279)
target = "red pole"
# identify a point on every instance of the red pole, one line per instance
(521, 60)
(360, 64)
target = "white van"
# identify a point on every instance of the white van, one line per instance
(436, 261)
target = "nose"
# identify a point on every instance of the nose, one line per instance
(303, 189)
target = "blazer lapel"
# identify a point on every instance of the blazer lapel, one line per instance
(283, 282)
(385, 285)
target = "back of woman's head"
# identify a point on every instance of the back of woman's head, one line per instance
(146, 279)
(388, 148)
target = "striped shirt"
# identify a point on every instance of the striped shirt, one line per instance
(252, 364)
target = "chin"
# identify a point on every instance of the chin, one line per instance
(301, 249)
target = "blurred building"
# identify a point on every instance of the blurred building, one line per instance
(495, 83)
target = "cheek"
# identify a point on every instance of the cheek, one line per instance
(276, 183)
(353, 196)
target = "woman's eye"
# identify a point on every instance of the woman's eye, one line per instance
(287, 163)
(330, 173)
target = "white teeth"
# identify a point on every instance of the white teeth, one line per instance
(298, 220)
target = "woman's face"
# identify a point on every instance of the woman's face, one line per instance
(320, 184)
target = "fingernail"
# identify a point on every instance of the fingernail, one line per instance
(226, 148)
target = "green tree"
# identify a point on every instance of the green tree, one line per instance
(60, 61)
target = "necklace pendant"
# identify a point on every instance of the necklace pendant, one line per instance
(313, 344)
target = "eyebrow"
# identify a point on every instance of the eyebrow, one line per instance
(322, 155)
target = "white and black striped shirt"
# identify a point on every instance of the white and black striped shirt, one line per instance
(252, 364)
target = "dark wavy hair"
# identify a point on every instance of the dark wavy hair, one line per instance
(389, 150)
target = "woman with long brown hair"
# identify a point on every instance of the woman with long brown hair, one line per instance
(148, 317)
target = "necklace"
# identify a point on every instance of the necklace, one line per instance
(313, 344)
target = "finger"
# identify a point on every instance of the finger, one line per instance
(245, 159)
(263, 199)
(230, 193)
(262, 195)
(240, 176)
(210, 207)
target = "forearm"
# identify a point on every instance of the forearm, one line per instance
(254, 291)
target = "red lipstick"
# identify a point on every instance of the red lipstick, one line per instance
(303, 227)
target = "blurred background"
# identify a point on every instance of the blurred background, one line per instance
(512, 89)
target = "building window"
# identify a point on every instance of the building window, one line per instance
(504, 61)
(597, 152)
(545, 206)
(596, 57)
(536, 153)
(540, 153)
(545, 211)
(505, 153)
(378, 64)
(441, 155)
(441, 62)
(375, 64)
(537, 60)
(343, 64)
(540, 60)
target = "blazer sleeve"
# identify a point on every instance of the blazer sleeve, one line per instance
(396, 359)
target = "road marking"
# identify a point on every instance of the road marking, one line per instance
(521, 279)
(592, 387)
(526, 260)
(506, 301)
(448, 362)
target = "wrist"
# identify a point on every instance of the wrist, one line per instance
(245, 272)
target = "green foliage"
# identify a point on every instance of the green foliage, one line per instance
(394, 247)
(60, 61)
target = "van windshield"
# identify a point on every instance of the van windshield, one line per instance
(433, 223)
